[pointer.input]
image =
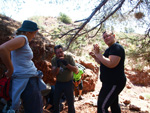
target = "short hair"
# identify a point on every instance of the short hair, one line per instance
(57, 47)
(111, 32)
(103, 32)
(20, 32)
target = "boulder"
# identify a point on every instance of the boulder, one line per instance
(7, 28)
(89, 80)
(134, 107)
(138, 77)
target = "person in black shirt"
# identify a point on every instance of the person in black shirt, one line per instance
(112, 73)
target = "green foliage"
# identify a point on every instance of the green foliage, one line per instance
(146, 95)
(77, 45)
(55, 33)
(64, 18)
(129, 30)
(136, 50)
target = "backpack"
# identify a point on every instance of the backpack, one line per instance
(4, 88)
(80, 66)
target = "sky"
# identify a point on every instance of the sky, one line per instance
(75, 10)
(78, 10)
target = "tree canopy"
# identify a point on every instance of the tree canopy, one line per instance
(113, 10)
(106, 12)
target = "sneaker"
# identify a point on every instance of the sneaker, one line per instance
(80, 97)
(46, 111)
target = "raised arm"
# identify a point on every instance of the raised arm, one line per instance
(72, 68)
(111, 62)
(55, 70)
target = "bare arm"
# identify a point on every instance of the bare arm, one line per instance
(72, 68)
(55, 70)
(69, 66)
(5, 50)
(82, 76)
(110, 62)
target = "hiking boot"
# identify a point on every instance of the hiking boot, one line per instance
(80, 97)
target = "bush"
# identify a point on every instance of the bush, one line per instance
(64, 18)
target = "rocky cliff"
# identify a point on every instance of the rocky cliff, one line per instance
(43, 53)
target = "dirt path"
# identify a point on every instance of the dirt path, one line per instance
(89, 103)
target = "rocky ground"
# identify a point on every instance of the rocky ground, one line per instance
(131, 95)
(132, 100)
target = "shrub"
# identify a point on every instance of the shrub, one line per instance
(64, 18)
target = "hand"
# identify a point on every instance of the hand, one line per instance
(92, 54)
(58, 62)
(8, 73)
(64, 62)
(79, 82)
(96, 49)
(73, 82)
(76, 84)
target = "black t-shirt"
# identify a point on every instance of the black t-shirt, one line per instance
(113, 75)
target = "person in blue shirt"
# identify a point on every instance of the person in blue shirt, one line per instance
(17, 56)
(78, 83)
